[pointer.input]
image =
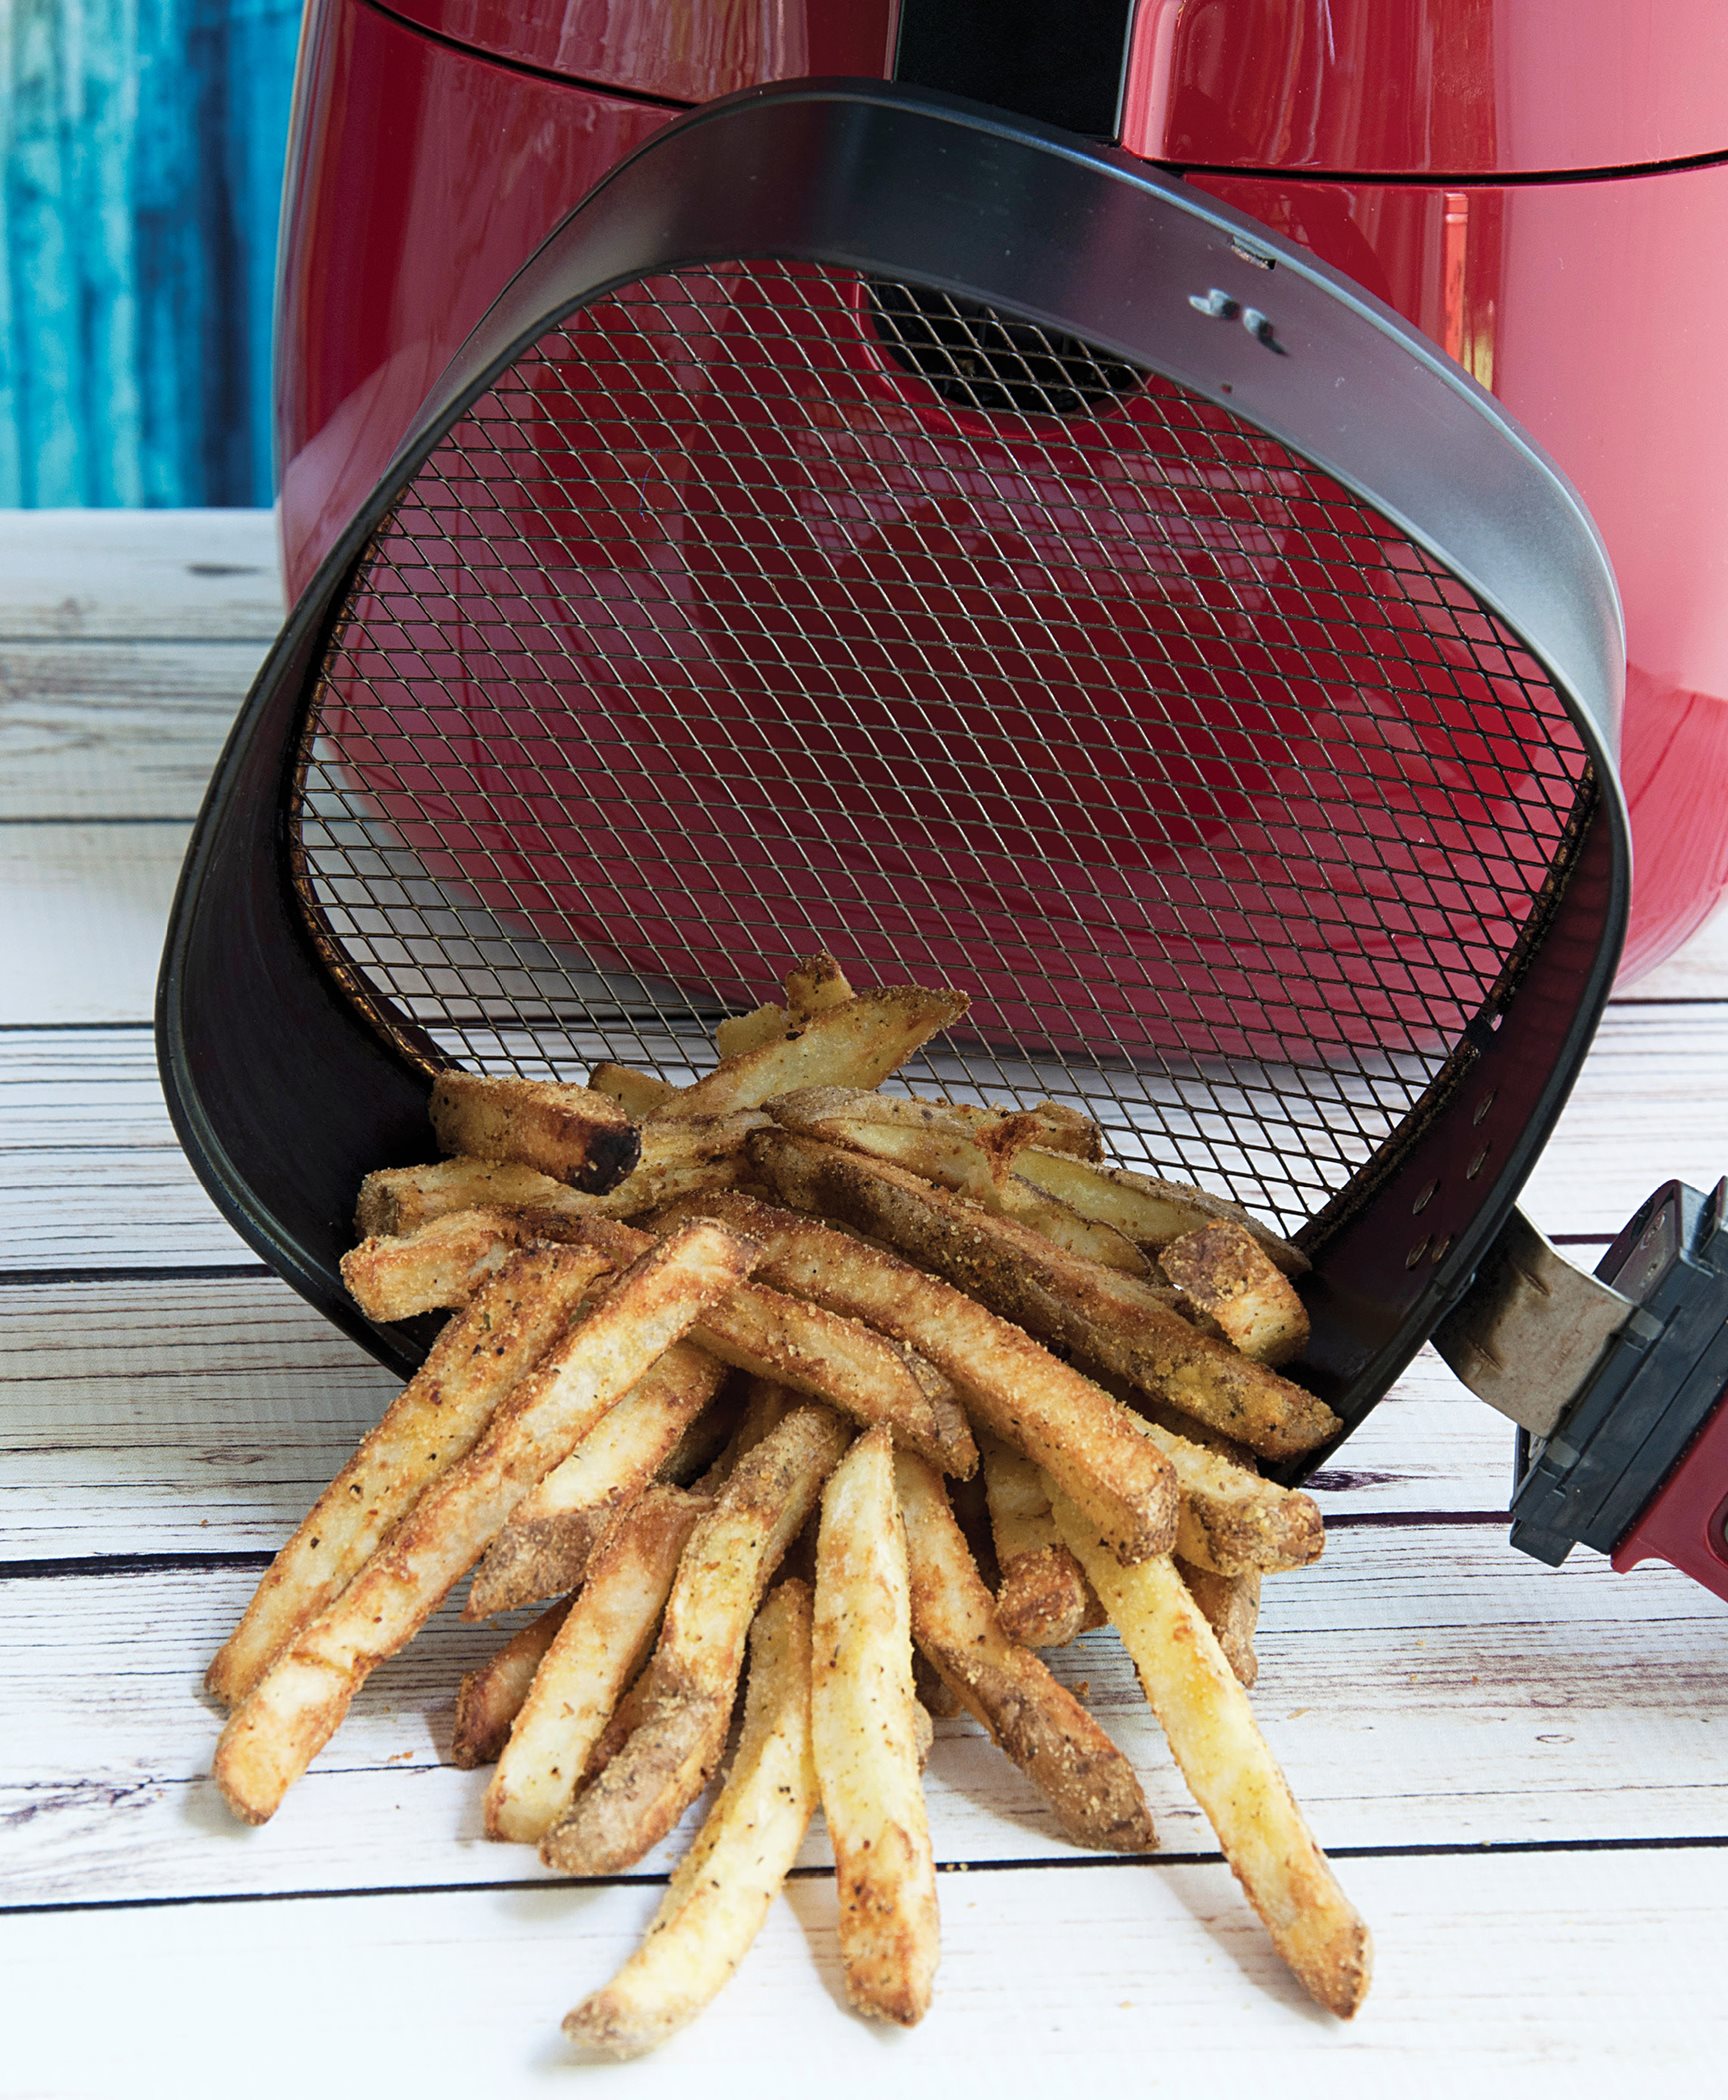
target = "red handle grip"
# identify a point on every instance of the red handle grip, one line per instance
(1686, 1521)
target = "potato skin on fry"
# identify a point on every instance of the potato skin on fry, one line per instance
(573, 1133)
(489, 1698)
(865, 1736)
(1105, 1318)
(1043, 1599)
(1225, 1276)
(721, 1891)
(1045, 1730)
(1232, 1607)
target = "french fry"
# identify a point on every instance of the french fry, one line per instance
(1045, 1730)
(857, 1043)
(816, 984)
(1007, 1381)
(1224, 1277)
(945, 1152)
(544, 1549)
(1043, 1599)
(398, 1200)
(763, 1332)
(596, 1653)
(671, 1142)
(718, 1897)
(444, 1262)
(431, 1425)
(1231, 1521)
(743, 1032)
(1232, 1607)
(1059, 1128)
(865, 1739)
(1204, 1712)
(639, 1092)
(1110, 1320)
(489, 1698)
(573, 1133)
(693, 1675)
(1148, 1211)
(298, 1703)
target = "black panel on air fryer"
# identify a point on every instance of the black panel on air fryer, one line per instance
(1060, 65)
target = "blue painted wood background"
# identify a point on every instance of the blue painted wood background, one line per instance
(141, 148)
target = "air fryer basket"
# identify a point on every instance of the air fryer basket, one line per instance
(873, 523)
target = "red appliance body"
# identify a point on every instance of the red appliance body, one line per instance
(1540, 185)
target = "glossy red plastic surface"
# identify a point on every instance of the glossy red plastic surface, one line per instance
(678, 50)
(1684, 1521)
(1597, 312)
(420, 179)
(1427, 87)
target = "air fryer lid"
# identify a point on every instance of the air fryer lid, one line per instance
(870, 522)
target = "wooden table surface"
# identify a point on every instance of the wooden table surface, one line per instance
(1522, 1774)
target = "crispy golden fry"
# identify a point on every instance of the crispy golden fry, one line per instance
(543, 1550)
(1009, 1382)
(1045, 1730)
(297, 1705)
(1232, 1607)
(763, 1332)
(1148, 1211)
(743, 1032)
(691, 1680)
(598, 1650)
(698, 1450)
(398, 1200)
(432, 1424)
(627, 1716)
(857, 1043)
(865, 1737)
(639, 1092)
(1226, 1278)
(445, 1262)
(816, 984)
(1059, 1129)
(944, 1152)
(671, 1142)
(1107, 1319)
(489, 1698)
(1234, 1777)
(573, 1133)
(1043, 1599)
(937, 1697)
(716, 1901)
(1231, 1520)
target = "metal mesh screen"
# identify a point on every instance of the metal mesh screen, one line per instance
(746, 617)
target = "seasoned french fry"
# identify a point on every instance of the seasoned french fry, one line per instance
(857, 1043)
(489, 1698)
(1059, 1128)
(691, 1679)
(595, 1655)
(573, 1133)
(1008, 1381)
(1108, 1319)
(742, 1032)
(717, 1899)
(398, 1200)
(763, 1332)
(1148, 1211)
(544, 1549)
(814, 985)
(1045, 1730)
(670, 1142)
(944, 1152)
(1233, 1522)
(1232, 1607)
(1204, 1712)
(431, 1425)
(640, 1092)
(865, 1740)
(1223, 1275)
(1043, 1599)
(443, 1263)
(299, 1702)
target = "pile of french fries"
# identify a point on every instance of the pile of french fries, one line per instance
(726, 1368)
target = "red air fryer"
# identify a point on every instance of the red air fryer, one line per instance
(982, 512)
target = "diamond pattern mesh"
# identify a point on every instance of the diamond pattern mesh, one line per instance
(721, 630)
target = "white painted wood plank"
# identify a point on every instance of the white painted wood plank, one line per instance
(85, 906)
(191, 1415)
(1538, 1975)
(1422, 1685)
(1699, 971)
(132, 574)
(115, 729)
